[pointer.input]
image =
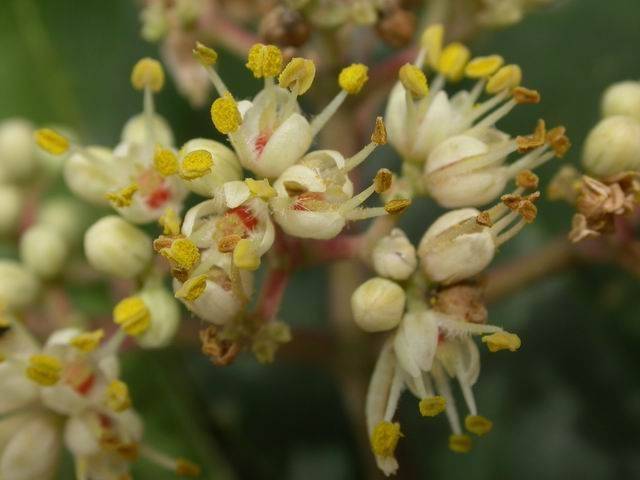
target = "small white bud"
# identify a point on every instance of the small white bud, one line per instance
(43, 250)
(622, 98)
(226, 167)
(613, 146)
(19, 287)
(11, 204)
(394, 256)
(91, 178)
(462, 256)
(378, 305)
(117, 248)
(17, 150)
(165, 317)
(65, 215)
(136, 131)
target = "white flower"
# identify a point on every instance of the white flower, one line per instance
(165, 317)
(18, 161)
(613, 146)
(225, 166)
(117, 248)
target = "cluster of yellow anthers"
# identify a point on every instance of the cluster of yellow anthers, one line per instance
(68, 391)
(451, 148)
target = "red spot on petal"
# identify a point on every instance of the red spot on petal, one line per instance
(85, 387)
(246, 217)
(261, 142)
(158, 197)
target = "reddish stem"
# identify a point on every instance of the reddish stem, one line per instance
(272, 292)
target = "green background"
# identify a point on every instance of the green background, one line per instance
(567, 405)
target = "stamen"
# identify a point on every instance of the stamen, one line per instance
(193, 288)
(527, 180)
(183, 254)
(496, 115)
(460, 443)
(245, 256)
(559, 141)
(502, 341)
(397, 206)
(165, 162)
(132, 315)
(509, 234)
(526, 143)
(478, 424)
(353, 78)
(264, 60)
(208, 57)
(378, 137)
(196, 164)
(383, 180)
(51, 141)
(413, 80)
(524, 96)
(325, 115)
(431, 42)
(45, 370)
(225, 114)
(442, 385)
(384, 438)
(180, 466)
(123, 197)
(118, 398)
(507, 78)
(467, 393)
(170, 223)
(261, 188)
(483, 67)
(298, 75)
(432, 406)
(147, 74)
(89, 341)
(453, 60)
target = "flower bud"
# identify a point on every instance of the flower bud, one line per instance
(622, 98)
(117, 248)
(87, 178)
(613, 146)
(11, 204)
(225, 166)
(19, 287)
(165, 317)
(378, 304)
(394, 256)
(43, 250)
(450, 260)
(17, 153)
(135, 131)
(66, 216)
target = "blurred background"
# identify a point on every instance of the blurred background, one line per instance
(567, 405)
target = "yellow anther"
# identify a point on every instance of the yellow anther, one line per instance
(432, 43)
(192, 288)
(264, 60)
(196, 164)
(298, 75)
(123, 197)
(225, 114)
(432, 406)
(383, 180)
(185, 468)
(414, 80)
(132, 315)
(353, 78)
(170, 222)
(453, 60)
(559, 141)
(45, 370)
(88, 341)
(478, 424)
(51, 141)
(460, 443)
(118, 398)
(245, 256)
(507, 78)
(261, 188)
(183, 254)
(384, 438)
(379, 135)
(502, 341)
(165, 161)
(483, 67)
(397, 206)
(147, 73)
(205, 55)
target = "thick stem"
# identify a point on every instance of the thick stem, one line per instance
(272, 293)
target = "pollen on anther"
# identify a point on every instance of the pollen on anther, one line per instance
(51, 141)
(353, 78)
(196, 164)
(264, 60)
(147, 73)
(225, 114)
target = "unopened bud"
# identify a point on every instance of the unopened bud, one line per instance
(622, 98)
(378, 305)
(613, 146)
(117, 248)
(19, 287)
(394, 256)
(44, 251)
(11, 204)
(17, 159)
